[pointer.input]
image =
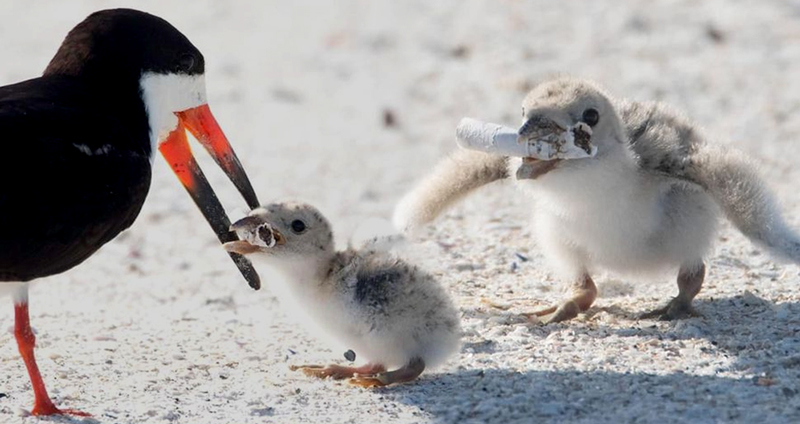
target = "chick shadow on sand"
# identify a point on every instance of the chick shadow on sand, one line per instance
(757, 333)
(507, 396)
(763, 338)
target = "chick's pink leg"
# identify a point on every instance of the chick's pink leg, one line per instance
(408, 372)
(584, 292)
(337, 372)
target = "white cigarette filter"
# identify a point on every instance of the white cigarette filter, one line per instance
(560, 143)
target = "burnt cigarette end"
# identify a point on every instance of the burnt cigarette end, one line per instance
(583, 139)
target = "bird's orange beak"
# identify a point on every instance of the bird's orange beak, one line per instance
(175, 149)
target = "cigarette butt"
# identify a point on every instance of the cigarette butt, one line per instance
(497, 139)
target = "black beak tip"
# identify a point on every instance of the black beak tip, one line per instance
(254, 281)
(247, 270)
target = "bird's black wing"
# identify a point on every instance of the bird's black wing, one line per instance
(67, 186)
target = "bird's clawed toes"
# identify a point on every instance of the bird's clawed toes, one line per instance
(317, 371)
(368, 381)
(74, 413)
(675, 309)
(48, 409)
(336, 372)
(564, 312)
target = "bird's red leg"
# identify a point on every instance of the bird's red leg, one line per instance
(26, 341)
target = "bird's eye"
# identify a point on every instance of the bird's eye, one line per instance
(591, 117)
(298, 226)
(186, 62)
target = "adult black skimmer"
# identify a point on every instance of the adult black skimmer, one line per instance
(78, 145)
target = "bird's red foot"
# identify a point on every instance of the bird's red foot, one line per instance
(48, 408)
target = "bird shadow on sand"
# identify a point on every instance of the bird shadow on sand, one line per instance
(762, 337)
(507, 396)
(759, 334)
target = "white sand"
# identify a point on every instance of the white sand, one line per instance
(158, 326)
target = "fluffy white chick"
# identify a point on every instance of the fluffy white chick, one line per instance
(389, 312)
(649, 201)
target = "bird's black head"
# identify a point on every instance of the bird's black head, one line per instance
(143, 73)
(125, 42)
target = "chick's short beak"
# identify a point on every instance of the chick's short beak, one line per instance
(256, 236)
(241, 247)
(538, 128)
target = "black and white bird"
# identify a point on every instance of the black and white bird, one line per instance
(648, 202)
(386, 310)
(78, 148)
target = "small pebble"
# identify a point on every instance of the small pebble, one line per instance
(464, 266)
(460, 52)
(389, 119)
(350, 355)
(715, 34)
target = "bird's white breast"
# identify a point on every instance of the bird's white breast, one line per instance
(609, 215)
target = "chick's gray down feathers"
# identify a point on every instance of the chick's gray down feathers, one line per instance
(394, 303)
(367, 299)
(668, 144)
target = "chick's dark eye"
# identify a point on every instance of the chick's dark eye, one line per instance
(298, 226)
(186, 62)
(591, 117)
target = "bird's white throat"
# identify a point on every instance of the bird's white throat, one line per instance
(164, 95)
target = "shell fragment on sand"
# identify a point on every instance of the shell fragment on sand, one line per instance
(557, 142)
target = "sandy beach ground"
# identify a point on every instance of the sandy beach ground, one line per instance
(346, 104)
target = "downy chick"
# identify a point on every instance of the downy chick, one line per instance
(388, 311)
(649, 201)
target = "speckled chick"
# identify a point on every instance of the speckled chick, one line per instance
(648, 202)
(389, 312)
